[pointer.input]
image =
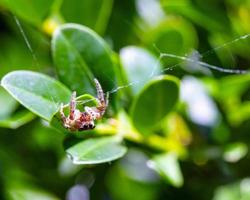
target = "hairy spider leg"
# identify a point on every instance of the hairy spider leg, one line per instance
(100, 95)
(72, 106)
(107, 99)
(103, 105)
(63, 117)
(102, 101)
(91, 112)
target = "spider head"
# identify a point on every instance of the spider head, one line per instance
(87, 126)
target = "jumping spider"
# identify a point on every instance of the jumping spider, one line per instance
(80, 121)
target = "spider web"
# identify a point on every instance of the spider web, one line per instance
(190, 60)
(33, 54)
(183, 60)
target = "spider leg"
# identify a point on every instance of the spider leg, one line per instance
(72, 106)
(102, 101)
(107, 100)
(63, 117)
(93, 112)
(100, 95)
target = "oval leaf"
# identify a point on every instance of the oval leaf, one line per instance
(25, 191)
(235, 152)
(168, 167)
(80, 55)
(139, 66)
(37, 92)
(7, 103)
(17, 119)
(176, 36)
(155, 101)
(233, 86)
(96, 150)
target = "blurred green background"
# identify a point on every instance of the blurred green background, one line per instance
(199, 148)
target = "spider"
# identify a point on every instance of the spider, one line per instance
(80, 121)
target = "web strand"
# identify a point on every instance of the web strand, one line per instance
(161, 56)
(243, 37)
(26, 40)
(32, 52)
(203, 64)
(190, 60)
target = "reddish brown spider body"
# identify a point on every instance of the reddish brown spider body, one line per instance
(80, 121)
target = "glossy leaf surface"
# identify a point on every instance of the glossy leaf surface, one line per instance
(154, 102)
(80, 55)
(96, 150)
(37, 92)
(17, 119)
(139, 66)
(168, 167)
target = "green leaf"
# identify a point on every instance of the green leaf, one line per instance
(155, 101)
(17, 119)
(233, 85)
(94, 14)
(80, 55)
(231, 91)
(96, 150)
(228, 192)
(7, 104)
(201, 17)
(168, 167)
(240, 113)
(132, 176)
(234, 190)
(235, 151)
(37, 92)
(175, 36)
(28, 193)
(139, 66)
(32, 11)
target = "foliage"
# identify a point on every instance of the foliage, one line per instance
(175, 126)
